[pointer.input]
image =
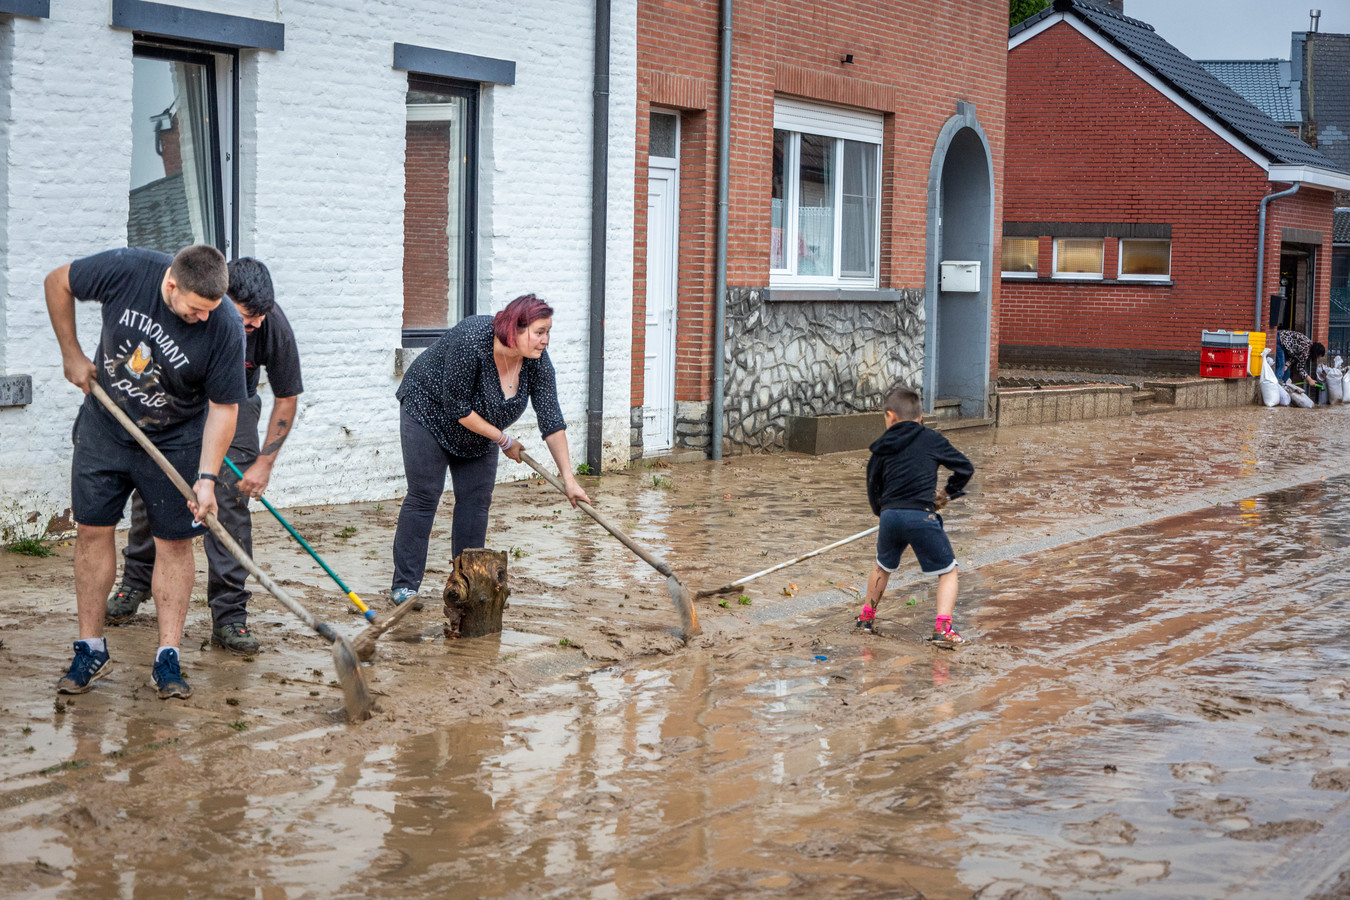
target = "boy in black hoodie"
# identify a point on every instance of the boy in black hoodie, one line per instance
(902, 488)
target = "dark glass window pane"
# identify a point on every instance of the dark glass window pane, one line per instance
(437, 223)
(815, 206)
(174, 195)
(778, 203)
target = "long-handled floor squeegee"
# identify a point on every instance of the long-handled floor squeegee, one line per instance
(351, 595)
(679, 594)
(356, 694)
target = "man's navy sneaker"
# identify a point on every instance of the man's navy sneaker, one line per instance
(169, 678)
(88, 666)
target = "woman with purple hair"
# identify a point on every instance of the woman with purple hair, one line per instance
(458, 398)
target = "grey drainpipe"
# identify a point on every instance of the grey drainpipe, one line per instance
(1261, 249)
(595, 398)
(723, 177)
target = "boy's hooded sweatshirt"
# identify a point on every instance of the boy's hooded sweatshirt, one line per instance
(902, 473)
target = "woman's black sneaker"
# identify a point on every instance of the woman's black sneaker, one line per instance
(122, 605)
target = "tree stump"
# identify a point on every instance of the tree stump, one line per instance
(475, 594)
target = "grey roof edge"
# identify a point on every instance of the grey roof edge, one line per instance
(33, 9)
(166, 20)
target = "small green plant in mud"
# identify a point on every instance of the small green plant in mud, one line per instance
(662, 482)
(507, 657)
(912, 601)
(518, 553)
(743, 600)
(30, 546)
(348, 531)
(29, 749)
(59, 706)
(239, 725)
(231, 701)
(70, 765)
(27, 730)
(564, 642)
(724, 603)
(379, 508)
(585, 469)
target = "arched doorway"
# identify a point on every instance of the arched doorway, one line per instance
(960, 232)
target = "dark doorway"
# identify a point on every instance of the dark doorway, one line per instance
(1296, 289)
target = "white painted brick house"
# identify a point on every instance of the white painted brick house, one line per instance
(310, 109)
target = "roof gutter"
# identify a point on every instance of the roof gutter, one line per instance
(1313, 176)
(1261, 248)
(723, 189)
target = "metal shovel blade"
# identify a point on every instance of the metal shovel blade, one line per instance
(355, 693)
(684, 605)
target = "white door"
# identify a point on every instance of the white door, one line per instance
(658, 394)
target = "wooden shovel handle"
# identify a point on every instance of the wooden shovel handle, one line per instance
(646, 555)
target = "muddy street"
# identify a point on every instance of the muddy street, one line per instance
(1155, 703)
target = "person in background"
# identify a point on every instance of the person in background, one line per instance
(902, 490)
(171, 356)
(269, 344)
(457, 400)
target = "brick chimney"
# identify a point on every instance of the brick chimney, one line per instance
(167, 145)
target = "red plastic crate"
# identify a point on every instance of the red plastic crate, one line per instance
(1226, 356)
(1224, 370)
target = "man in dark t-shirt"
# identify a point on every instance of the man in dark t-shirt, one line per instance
(270, 343)
(170, 355)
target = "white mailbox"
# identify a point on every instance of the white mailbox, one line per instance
(960, 275)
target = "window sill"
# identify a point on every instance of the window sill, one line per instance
(811, 295)
(1098, 281)
(16, 390)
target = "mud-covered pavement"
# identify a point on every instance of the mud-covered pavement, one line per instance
(1156, 702)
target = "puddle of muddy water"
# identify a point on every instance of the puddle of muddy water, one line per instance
(747, 766)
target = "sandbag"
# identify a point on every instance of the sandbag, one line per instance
(1270, 388)
(1345, 387)
(1331, 376)
(1297, 396)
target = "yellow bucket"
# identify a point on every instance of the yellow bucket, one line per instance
(1256, 342)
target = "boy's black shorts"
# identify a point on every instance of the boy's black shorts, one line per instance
(919, 530)
(106, 468)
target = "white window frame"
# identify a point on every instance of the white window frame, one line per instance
(1014, 274)
(799, 117)
(1120, 261)
(1075, 276)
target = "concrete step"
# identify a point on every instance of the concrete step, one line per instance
(958, 424)
(945, 408)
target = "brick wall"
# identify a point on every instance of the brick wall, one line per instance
(1091, 142)
(426, 219)
(912, 62)
(322, 192)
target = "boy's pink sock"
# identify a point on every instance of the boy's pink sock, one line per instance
(868, 614)
(942, 624)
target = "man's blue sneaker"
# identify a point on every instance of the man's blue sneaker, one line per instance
(85, 669)
(403, 595)
(169, 678)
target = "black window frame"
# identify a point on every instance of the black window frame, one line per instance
(151, 47)
(471, 92)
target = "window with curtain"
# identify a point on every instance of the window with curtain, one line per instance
(1149, 260)
(1019, 256)
(1078, 257)
(440, 207)
(176, 194)
(824, 210)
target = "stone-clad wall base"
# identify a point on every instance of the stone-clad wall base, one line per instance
(814, 358)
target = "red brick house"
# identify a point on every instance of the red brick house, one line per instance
(1142, 198)
(854, 130)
